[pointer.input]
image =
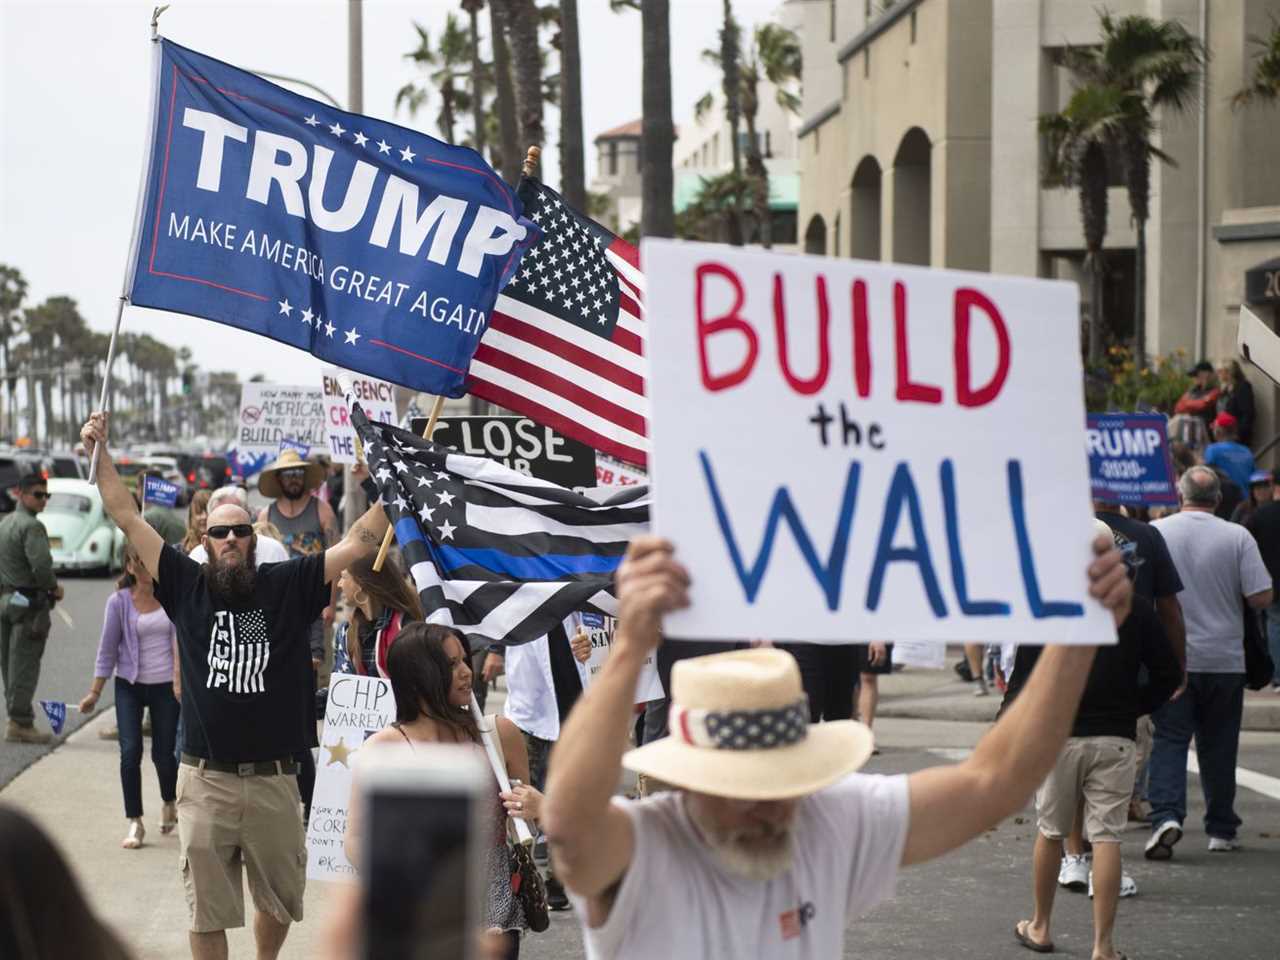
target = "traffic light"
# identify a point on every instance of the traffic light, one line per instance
(187, 377)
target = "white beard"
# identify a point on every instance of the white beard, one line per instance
(762, 861)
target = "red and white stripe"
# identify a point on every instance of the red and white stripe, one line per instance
(575, 382)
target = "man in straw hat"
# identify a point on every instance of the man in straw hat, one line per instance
(248, 705)
(768, 847)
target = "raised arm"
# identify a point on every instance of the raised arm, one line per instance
(951, 805)
(362, 540)
(117, 499)
(591, 840)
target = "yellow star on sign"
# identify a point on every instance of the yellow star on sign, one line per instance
(339, 753)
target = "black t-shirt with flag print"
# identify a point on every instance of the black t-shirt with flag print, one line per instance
(247, 688)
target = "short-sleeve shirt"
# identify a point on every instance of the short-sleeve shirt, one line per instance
(247, 688)
(1146, 556)
(1220, 565)
(677, 902)
(1235, 459)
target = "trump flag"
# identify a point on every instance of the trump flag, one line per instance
(371, 246)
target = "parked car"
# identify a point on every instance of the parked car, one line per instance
(208, 473)
(14, 465)
(81, 535)
(68, 465)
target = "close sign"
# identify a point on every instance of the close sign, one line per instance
(521, 444)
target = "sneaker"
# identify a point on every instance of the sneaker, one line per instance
(963, 671)
(20, 733)
(556, 898)
(1128, 886)
(1160, 846)
(1223, 844)
(1074, 873)
(982, 690)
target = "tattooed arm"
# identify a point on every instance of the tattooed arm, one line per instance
(362, 540)
(329, 523)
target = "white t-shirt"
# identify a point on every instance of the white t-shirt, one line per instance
(267, 551)
(1219, 565)
(677, 903)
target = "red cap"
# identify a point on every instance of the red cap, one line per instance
(1225, 419)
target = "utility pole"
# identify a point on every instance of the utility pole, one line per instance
(353, 500)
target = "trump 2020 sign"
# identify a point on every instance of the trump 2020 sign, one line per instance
(849, 451)
(373, 247)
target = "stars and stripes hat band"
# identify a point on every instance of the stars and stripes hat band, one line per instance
(741, 729)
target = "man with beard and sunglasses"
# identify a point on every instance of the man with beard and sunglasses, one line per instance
(247, 704)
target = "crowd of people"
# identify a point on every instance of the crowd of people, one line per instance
(223, 629)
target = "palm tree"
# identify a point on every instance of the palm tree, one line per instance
(479, 78)
(1265, 85)
(13, 291)
(1151, 65)
(1077, 140)
(448, 60)
(657, 132)
(522, 20)
(573, 177)
(775, 56)
(506, 152)
(731, 85)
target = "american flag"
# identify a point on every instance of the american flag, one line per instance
(502, 556)
(565, 345)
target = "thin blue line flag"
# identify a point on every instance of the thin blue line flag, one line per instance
(56, 711)
(369, 245)
(156, 490)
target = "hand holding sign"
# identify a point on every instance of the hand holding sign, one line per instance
(581, 646)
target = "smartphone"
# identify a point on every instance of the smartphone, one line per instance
(425, 850)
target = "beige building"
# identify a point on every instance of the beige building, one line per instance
(919, 144)
(618, 175)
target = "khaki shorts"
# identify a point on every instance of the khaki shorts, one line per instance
(1099, 769)
(224, 821)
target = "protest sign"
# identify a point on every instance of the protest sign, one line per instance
(301, 449)
(365, 243)
(56, 712)
(848, 451)
(521, 444)
(272, 412)
(600, 629)
(917, 653)
(1129, 458)
(377, 400)
(614, 473)
(358, 708)
(160, 491)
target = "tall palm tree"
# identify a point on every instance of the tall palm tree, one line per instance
(775, 56)
(1077, 140)
(448, 61)
(1151, 65)
(522, 22)
(479, 75)
(13, 291)
(731, 86)
(507, 147)
(573, 176)
(657, 131)
(1264, 86)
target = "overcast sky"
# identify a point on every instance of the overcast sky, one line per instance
(74, 88)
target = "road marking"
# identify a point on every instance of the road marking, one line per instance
(1257, 782)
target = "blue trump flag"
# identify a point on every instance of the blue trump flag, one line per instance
(156, 490)
(369, 245)
(56, 711)
(1129, 459)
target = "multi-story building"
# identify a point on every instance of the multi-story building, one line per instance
(618, 175)
(920, 144)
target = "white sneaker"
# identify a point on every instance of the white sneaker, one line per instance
(1160, 846)
(1128, 886)
(1074, 873)
(1223, 844)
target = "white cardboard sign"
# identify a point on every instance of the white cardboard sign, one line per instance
(846, 451)
(358, 708)
(601, 629)
(271, 412)
(377, 399)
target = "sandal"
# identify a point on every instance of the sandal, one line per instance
(168, 817)
(1020, 931)
(133, 840)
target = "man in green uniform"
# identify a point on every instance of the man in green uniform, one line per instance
(28, 589)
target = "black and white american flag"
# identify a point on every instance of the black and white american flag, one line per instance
(565, 344)
(502, 556)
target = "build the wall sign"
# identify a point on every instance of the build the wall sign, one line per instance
(521, 444)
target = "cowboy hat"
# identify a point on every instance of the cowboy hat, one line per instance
(269, 483)
(740, 728)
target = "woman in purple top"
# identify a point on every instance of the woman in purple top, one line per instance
(137, 646)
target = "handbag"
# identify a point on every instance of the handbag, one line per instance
(526, 882)
(1258, 667)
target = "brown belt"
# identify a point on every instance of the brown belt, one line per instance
(256, 768)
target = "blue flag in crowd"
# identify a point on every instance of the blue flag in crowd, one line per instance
(56, 711)
(369, 245)
(301, 449)
(156, 490)
(1129, 459)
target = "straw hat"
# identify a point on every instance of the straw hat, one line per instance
(269, 483)
(740, 728)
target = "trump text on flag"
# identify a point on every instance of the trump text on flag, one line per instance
(1129, 459)
(852, 451)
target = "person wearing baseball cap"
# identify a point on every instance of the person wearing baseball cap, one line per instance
(1228, 454)
(770, 843)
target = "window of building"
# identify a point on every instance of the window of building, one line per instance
(768, 143)
(784, 226)
(913, 26)
(835, 243)
(613, 158)
(715, 150)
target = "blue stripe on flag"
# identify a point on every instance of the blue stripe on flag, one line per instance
(545, 567)
(407, 529)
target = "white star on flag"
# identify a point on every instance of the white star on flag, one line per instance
(446, 530)
(336, 129)
(445, 498)
(407, 155)
(384, 474)
(328, 329)
(384, 147)
(311, 121)
(423, 481)
(401, 503)
(286, 308)
(441, 475)
(361, 139)
(306, 316)
(425, 513)
(352, 336)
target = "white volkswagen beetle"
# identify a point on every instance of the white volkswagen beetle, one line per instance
(81, 535)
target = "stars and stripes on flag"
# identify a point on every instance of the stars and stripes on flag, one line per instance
(499, 555)
(566, 338)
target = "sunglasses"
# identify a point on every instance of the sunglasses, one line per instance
(39, 494)
(293, 473)
(241, 531)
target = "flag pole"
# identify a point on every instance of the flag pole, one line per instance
(436, 409)
(133, 247)
(528, 168)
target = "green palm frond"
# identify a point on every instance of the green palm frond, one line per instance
(1264, 86)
